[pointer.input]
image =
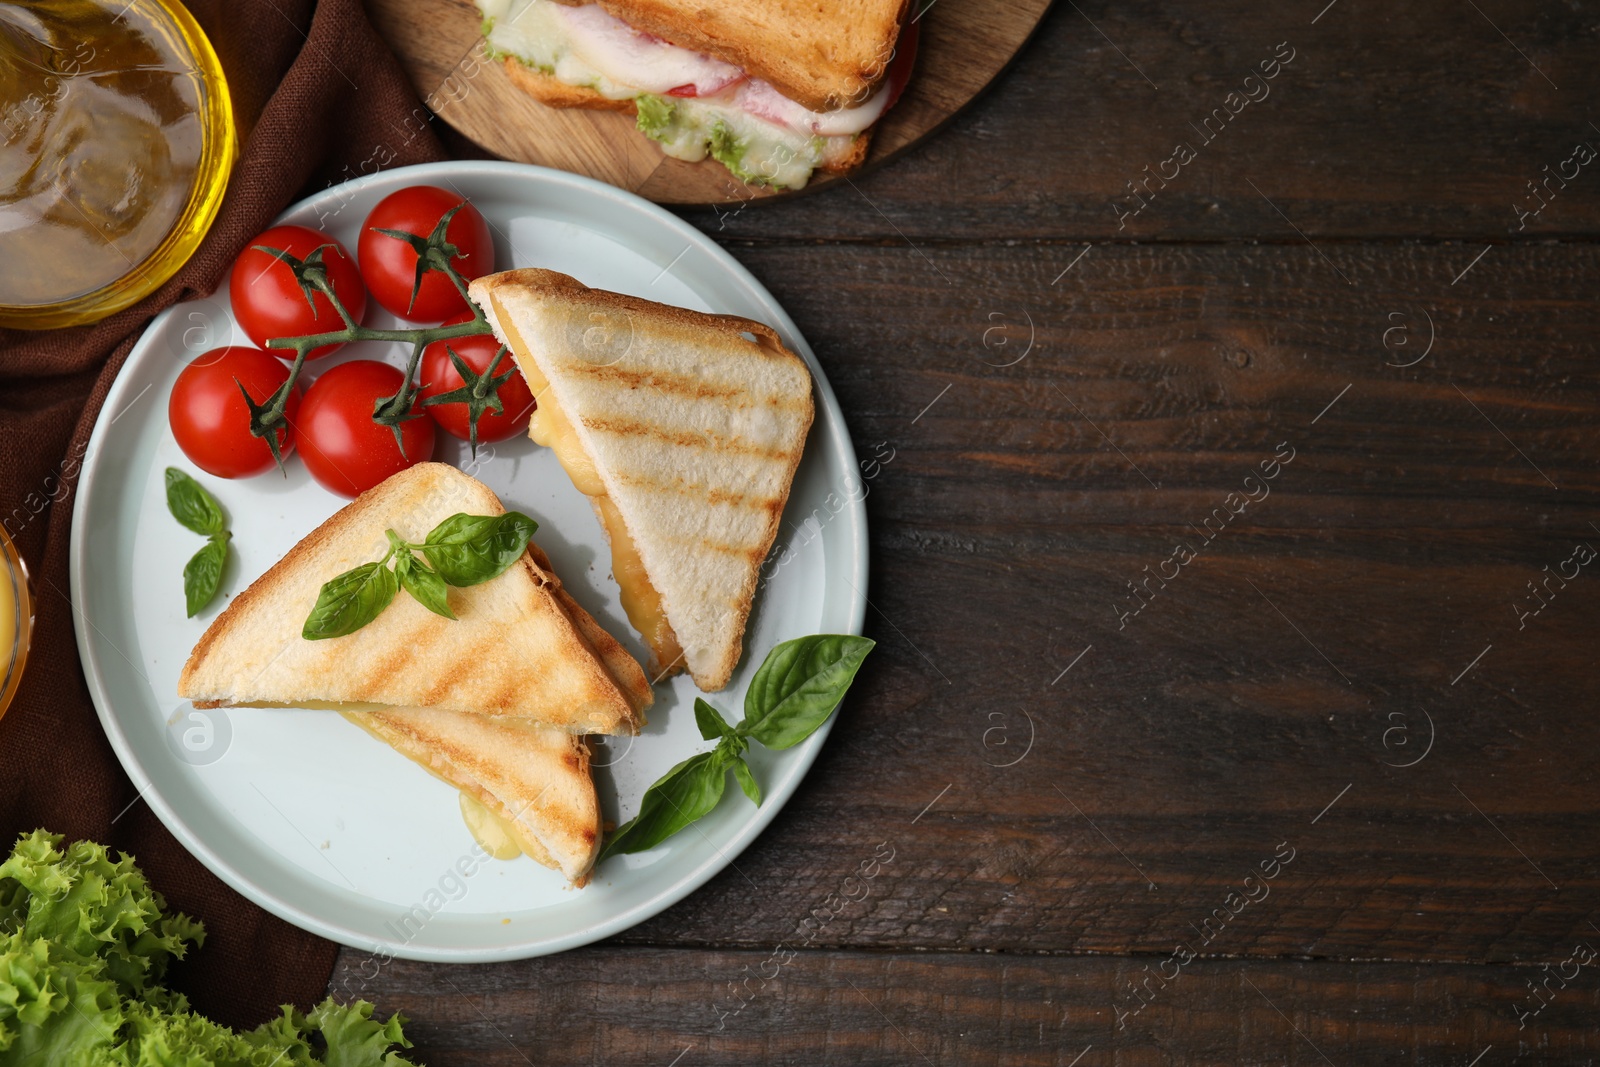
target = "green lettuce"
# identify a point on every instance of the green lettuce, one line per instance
(656, 113)
(85, 943)
(729, 150)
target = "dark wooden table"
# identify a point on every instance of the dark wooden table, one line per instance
(1235, 699)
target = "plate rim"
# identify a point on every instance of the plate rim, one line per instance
(760, 818)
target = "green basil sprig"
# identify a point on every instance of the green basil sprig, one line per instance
(197, 510)
(462, 550)
(794, 691)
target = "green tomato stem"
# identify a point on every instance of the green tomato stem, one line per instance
(390, 411)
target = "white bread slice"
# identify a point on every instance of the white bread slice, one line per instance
(514, 649)
(553, 92)
(694, 423)
(824, 55)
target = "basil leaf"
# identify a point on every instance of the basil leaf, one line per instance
(350, 601)
(425, 587)
(747, 781)
(469, 549)
(798, 685)
(684, 794)
(202, 575)
(709, 719)
(192, 506)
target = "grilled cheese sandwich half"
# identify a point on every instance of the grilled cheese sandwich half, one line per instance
(684, 429)
(541, 669)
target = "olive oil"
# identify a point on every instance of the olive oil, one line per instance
(16, 620)
(116, 141)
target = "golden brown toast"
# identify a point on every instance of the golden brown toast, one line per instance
(823, 55)
(693, 424)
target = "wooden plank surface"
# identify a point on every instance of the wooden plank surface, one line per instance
(1391, 121)
(646, 1006)
(963, 45)
(1258, 706)
(1074, 777)
(1208, 727)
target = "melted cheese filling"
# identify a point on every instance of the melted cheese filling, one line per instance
(497, 836)
(641, 601)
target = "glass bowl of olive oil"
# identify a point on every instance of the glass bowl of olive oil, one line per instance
(116, 142)
(16, 619)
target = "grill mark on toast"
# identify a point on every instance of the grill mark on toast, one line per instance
(446, 681)
(709, 495)
(386, 668)
(678, 384)
(626, 427)
(737, 551)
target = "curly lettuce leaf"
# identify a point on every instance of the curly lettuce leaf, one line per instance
(54, 1009)
(655, 113)
(86, 904)
(84, 945)
(354, 1038)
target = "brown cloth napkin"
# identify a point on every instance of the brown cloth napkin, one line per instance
(318, 97)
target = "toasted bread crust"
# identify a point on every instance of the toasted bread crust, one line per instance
(369, 664)
(791, 412)
(851, 161)
(823, 56)
(553, 92)
(624, 669)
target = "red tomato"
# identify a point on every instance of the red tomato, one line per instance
(389, 264)
(211, 420)
(268, 301)
(439, 375)
(345, 451)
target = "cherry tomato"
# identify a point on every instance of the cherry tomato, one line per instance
(439, 375)
(389, 264)
(345, 451)
(211, 420)
(268, 301)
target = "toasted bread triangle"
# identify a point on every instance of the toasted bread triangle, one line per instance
(514, 649)
(534, 779)
(694, 424)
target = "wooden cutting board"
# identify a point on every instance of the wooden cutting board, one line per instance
(965, 43)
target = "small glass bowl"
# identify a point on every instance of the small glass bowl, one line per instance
(16, 619)
(116, 143)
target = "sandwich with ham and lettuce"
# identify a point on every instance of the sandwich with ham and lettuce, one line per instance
(773, 89)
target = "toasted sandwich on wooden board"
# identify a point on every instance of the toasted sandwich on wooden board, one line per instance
(684, 429)
(773, 89)
(513, 650)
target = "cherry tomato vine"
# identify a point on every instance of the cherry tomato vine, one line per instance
(434, 253)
